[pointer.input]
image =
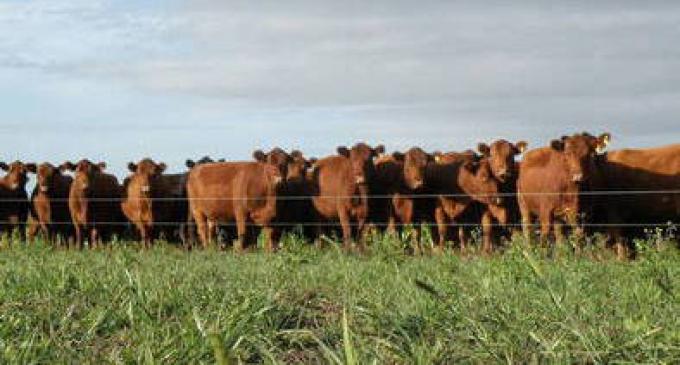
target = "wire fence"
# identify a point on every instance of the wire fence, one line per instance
(369, 196)
(351, 224)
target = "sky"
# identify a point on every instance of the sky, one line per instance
(120, 80)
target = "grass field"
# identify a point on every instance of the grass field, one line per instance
(307, 306)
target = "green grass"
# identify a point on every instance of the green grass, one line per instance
(307, 306)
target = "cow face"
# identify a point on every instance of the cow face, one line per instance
(361, 158)
(415, 163)
(501, 155)
(298, 166)
(17, 174)
(45, 176)
(145, 174)
(579, 152)
(277, 157)
(84, 173)
(272, 175)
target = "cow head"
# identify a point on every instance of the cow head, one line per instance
(415, 162)
(477, 180)
(579, 152)
(298, 166)
(45, 174)
(144, 174)
(190, 164)
(17, 174)
(84, 173)
(501, 155)
(361, 158)
(277, 157)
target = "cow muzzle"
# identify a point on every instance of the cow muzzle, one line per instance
(504, 175)
(417, 184)
(44, 189)
(146, 189)
(277, 180)
(360, 180)
(14, 186)
(577, 177)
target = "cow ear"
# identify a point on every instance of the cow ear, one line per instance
(31, 167)
(379, 150)
(484, 149)
(101, 165)
(557, 144)
(603, 142)
(520, 147)
(343, 151)
(190, 164)
(4, 166)
(398, 156)
(161, 167)
(259, 156)
(132, 167)
(67, 166)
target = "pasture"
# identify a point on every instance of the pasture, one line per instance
(303, 305)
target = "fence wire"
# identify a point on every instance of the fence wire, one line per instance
(370, 196)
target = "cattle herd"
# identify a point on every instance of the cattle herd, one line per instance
(571, 184)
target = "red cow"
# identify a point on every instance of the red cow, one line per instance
(94, 203)
(241, 192)
(155, 202)
(14, 205)
(341, 187)
(49, 203)
(551, 180)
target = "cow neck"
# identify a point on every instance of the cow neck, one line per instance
(443, 178)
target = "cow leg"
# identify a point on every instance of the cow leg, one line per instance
(462, 238)
(269, 238)
(343, 215)
(578, 232)
(79, 236)
(487, 232)
(558, 229)
(526, 220)
(94, 237)
(241, 230)
(546, 219)
(202, 228)
(442, 229)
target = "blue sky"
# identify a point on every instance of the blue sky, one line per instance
(121, 80)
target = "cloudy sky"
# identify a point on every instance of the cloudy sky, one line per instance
(120, 80)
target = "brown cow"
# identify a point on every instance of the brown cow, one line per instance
(94, 202)
(397, 203)
(49, 203)
(14, 204)
(644, 187)
(551, 180)
(241, 192)
(155, 202)
(501, 155)
(466, 189)
(341, 187)
(294, 195)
